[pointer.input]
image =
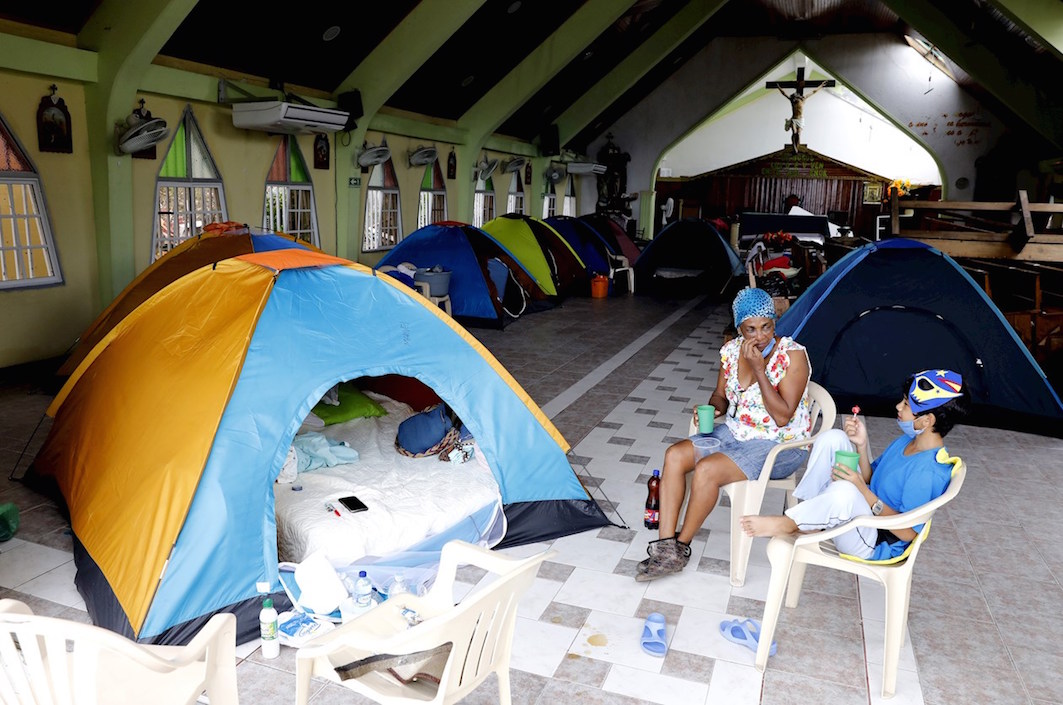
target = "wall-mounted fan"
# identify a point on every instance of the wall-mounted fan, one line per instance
(586, 168)
(666, 210)
(371, 156)
(485, 168)
(139, 132)
(514, 164)
(423, 156)
(554, 174)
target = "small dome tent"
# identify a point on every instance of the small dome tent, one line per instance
(892, 308)
(687, 258)
(613, 234)
(218, 241)
(467, 252)
(557, 268)
(168, 436)
(585, 240)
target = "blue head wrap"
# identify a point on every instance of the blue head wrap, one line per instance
(752, 303)
(932, 388)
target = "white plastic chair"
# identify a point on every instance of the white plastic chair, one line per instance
(49, 660)
(423, 288)
(479, 630)
(748, 495)
(789, 555)
(619, 263)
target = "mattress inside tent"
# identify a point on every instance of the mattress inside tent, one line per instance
(409, 500)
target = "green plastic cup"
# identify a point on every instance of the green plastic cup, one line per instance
(706, 418)
(847, 458)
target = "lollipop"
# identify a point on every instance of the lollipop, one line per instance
(856, 410)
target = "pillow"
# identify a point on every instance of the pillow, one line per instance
(423, 433)
(354, 404)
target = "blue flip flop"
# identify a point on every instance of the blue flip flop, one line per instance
(745, 632)
(653, 635)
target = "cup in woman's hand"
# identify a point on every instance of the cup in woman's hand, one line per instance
(847, 458)
(706, 418)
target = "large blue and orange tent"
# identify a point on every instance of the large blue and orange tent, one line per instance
(168, 436)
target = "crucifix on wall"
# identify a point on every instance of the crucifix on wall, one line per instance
(797, 98)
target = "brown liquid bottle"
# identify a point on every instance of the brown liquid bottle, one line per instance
(651, 518)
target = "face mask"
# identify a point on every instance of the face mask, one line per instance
(767, 351)
(908, 427)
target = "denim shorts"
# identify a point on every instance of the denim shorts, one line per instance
(749, 455)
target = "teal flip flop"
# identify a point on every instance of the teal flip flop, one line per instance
(653, 635)
(745, 632)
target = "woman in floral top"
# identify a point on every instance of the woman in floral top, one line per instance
(762, 396)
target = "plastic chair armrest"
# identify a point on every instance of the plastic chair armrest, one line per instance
(905, 520)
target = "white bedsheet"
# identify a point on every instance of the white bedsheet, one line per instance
(409, 499)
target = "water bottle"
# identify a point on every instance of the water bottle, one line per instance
(363, 590)
(397, 586)
(652, 517)
(267, 623)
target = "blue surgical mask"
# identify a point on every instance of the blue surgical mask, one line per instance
(767, 351)
(908, 427)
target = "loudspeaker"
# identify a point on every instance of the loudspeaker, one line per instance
(351, 103)
(550, 142)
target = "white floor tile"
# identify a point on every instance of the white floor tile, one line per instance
(734, 684)
(908, 689)
(874, 642)
(586, 550)
(654, 687)
(616, 639)
(539, 647)
(538, 597)
(872, 600)
(525, 551)
(698, 632)
(591, 589)
(693, 589)
(246, 649)
(28, 561)
(11, 544)
(56, 585)
(756, 585)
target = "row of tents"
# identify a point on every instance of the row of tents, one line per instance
(517, 264)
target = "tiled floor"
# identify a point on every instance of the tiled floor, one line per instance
(618, 377)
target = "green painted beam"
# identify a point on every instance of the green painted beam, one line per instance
(47, 59)
(511, 145)
(388, 66)
(635, 66)
(411, 126)
(1041, 18)
(1040, 109)
(125, 37)
(542, 64)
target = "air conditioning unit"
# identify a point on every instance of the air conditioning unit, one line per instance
(289, 118)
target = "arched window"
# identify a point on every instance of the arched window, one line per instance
(289, 205)
(483, 205)
(569, 206)
(549, 201)
(432, 206)
(383, 216)
(27, 250)
(515, 199)
(190, 191)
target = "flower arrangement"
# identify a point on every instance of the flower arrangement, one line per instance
(777, 240)
(901, 186)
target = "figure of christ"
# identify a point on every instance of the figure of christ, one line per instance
(796, 121)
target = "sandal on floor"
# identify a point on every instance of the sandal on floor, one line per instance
(653, 635)
(745, 632)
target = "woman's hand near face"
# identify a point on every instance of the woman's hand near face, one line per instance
(752, 357)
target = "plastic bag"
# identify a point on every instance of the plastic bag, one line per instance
(8, 521)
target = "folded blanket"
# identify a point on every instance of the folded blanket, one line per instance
(314, 451)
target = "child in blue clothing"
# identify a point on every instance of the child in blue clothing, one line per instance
(913, 470)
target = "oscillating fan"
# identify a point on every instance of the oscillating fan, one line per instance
(554, 174)
(514, 164)
(423, 156)
(139, 134)
(485, 168)
(371, 156)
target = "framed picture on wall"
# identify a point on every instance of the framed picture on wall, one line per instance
(872, 192)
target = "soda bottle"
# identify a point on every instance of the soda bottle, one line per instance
(267, 622)
(653, 502)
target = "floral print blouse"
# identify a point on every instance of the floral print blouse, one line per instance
(747, 417)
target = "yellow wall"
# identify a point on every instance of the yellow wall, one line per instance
(43, 322)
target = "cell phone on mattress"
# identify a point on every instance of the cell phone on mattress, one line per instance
(353, 504)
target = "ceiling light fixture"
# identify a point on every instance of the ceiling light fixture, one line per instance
(467, 81)
(331, 33)
(513, 7)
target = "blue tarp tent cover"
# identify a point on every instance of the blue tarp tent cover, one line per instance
(893, 308)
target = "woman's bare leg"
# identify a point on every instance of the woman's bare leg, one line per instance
(678, 461)
(711, 473)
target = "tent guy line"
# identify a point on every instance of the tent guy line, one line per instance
(562, 401)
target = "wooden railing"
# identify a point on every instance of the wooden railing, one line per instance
(960, 229)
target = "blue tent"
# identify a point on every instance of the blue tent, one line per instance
(173, 517)
(588, 243)
(486, 279)
(889, 309)
(687, 258)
